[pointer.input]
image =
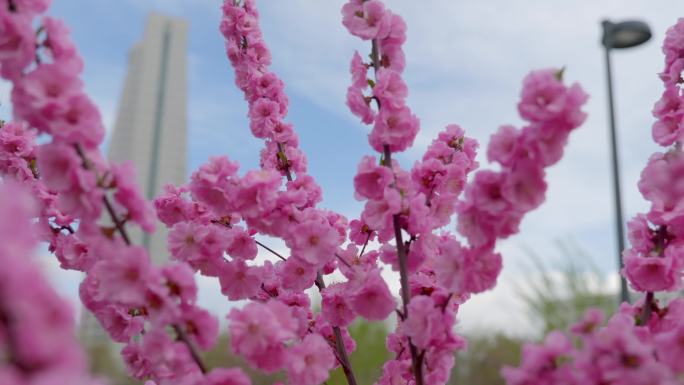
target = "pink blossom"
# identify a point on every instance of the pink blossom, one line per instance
(653, 272)
(487, 192)
(450, 264)
(525, 187)
(394, 127)
(371, 297)
(503, 145)
(359, 72)
(170, 206)
(239, 281)
(72, 253)
(592, 320)
(661, 184)
(310, 361)
(62, 49)
(184, 241)
(335, 306)
(269, 86)
(539, 363)
(423, 322)
(128, 194)
(359, 232)
(125, 277)
(37, 326)
(264, 115)
(326, 331)
(258, 332)
(397, 32)
(367, 19)
(31, 6)
(419, 220)
(314, 241)
(256, 193)
(240, 244)
(484, 267)
(359, 105)
(390, 89)
(213, 184)
(200, 325)
(166, 358)
(670, 348)
(296, 274)
(212, 241)
(371, 179)
(392, 55)
(43, 95)
(232, 376)
(180, 281)
(119, 323)
(545, 98)
(57, 162)
(669, 113)
(378, 213)
(16, 44)
(79, 122)
(306, 187)
(640, 234)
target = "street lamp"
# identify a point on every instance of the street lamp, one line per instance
(625, 34)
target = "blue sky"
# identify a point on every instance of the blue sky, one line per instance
(465, 63)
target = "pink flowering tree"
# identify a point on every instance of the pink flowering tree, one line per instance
(85, 205)
(643, 343)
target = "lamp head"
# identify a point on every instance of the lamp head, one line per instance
(625, 34)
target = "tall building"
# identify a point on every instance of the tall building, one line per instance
(151, 125)
(151, 131)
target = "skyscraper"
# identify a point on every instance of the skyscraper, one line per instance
(150, 130)
(151, 125)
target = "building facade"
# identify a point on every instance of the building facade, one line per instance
(151, 125)
(151, 131)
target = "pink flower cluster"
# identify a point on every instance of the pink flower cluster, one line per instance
(36, 325)
(496, 201)
(626, 350)
(394, 124)
(436, 268)
(642, 343)
(264, 91)
(655, 259)
(136, 303)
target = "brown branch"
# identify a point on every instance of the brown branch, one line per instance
(648, 308)
(342, 355)
(183, 336)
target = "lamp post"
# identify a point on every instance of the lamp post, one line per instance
(625, 34)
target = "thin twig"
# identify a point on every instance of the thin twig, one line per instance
(182, 336)
(271, 250)
(363, 248)
(647, 310)
(416, 359)
(343, 260)
(286, 163)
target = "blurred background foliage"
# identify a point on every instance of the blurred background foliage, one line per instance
(555, 297)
